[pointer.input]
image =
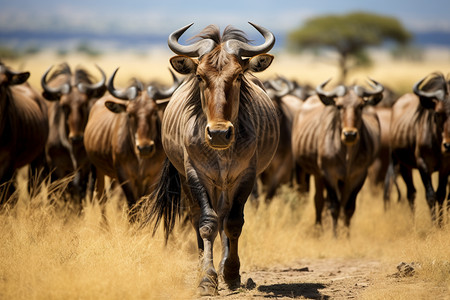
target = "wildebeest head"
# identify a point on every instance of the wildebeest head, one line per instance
(350, 103)
(433, 92)
(143, 107)
(219, 73)
(74, 93)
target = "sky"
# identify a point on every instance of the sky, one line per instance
(164, 16)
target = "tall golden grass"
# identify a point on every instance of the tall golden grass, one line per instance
(49, 251)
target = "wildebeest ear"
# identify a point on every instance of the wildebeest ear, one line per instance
(428, 103)
(260, 62)
(162, 104)
(116, 106)
(19, 78)
(374, 100)
(97, 93)
(327, 100)
(183, 64)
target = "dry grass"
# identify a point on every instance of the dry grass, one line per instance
(49, 252)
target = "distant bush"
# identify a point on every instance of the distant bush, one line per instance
(87, 49)
(408, 53)
(8, 53)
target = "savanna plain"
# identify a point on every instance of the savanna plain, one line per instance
(49, 250)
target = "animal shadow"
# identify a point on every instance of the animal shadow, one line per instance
(294, 290)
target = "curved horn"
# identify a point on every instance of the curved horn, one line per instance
(53, 93)
(85, 87)
(377, 87)
(194, 50)
(328, 97)
(280, 90)
(339, 91)
(128, 94)
(439, 94)
(156, 94)
(243, 49)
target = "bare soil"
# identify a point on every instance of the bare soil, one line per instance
(329, 278)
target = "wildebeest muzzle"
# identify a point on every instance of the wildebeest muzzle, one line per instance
(349, 135)
(146, 150)
(220, 136)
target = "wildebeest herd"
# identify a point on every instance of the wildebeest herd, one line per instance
(200, 147)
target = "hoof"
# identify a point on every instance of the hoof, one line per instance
(233, 283)
(208, 286)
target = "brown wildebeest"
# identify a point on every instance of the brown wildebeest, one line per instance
(281, 168)
(71, 96)
(219, 131)
(123, 137)
(336, 136)
(420, 139)
(23, 125)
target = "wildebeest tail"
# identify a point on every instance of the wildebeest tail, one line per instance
(164, 204)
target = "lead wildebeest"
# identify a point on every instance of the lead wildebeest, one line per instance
(71, 97)
(123, 137)
(219, 131)
(336, 136)
(23, 124)
(420, 139)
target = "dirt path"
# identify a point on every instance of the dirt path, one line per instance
(308, 279)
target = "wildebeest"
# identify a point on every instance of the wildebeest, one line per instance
(71, 97)
(123, 137)
(23, 125)
(281, 168)
(219, 131)
(335, 138)
(420, 138)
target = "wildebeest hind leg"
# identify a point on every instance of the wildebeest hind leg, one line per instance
(410, 189)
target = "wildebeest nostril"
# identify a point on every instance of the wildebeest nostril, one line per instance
(146, 149)
(229, 132)
(350, 134)
(76, 139)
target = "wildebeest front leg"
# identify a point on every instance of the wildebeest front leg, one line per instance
(233, 223)
(207, 228)
(335, 205)
(318, 200)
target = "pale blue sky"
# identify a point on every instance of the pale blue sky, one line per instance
(147, 17)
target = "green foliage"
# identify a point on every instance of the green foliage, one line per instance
(350, 35)
(8, 53)
(87, 49)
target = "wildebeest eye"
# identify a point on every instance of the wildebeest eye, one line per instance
(339, 106)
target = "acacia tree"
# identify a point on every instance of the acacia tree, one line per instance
(350, 35)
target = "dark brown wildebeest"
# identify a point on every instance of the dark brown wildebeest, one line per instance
(71, 96)
(335, 138)
(123, 137)
(420, 139)
(281, 168)
(219, 131)
(23, 125)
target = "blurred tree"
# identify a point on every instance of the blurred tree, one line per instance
(350, 35)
